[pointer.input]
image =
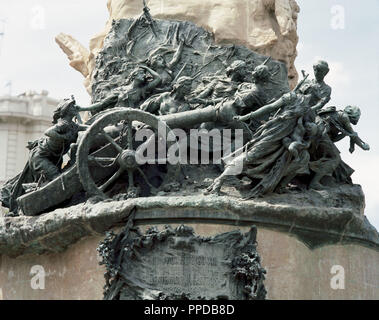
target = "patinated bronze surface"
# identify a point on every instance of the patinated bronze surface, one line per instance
(174, 264)
(155, 82)
(155, 73)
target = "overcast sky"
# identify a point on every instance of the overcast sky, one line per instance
(343, 32)
(352, 49)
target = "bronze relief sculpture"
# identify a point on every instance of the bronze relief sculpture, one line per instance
(185, 130)
(154, 73)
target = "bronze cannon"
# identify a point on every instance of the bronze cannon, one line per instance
(84, 175)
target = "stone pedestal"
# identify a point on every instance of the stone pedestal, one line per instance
(293, 270)
(299, 264)
(313, 244)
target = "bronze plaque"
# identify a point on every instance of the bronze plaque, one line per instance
(178, 264)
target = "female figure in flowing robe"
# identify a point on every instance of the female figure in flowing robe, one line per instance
(267, 157)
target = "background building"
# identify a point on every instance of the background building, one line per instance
(23, 118)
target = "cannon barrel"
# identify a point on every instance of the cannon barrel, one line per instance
(222, 112)
(68, 183)
(187, 119)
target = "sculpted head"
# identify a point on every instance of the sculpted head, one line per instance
(66, 107)
(237, 70)
(183, 85)
(354, 114)
(311, 128)
(157, 61)
(321, 69)
(261, 73)
(138, 74)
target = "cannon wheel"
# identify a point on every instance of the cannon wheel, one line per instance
(126, 158)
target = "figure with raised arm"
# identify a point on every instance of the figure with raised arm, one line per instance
(217, 88)
(326, 159)
(320, 92)
(170, 102)
(157, 62)
(46, 154)
(132, 94)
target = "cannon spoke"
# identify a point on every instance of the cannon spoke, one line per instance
(112, 179)
(131, 179)
(112, 142)
(103, 161)
(130, 135)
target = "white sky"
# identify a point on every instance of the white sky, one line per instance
(30, 59)
(352, 53)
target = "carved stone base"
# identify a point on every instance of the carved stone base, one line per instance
(177, 264)
(299, 242)
(294, 271)
(317, 218)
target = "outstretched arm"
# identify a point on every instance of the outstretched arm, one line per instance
(354, 138)
(208, 90)
(100, 105)
(269, 108)
(156, 81)
(175, 59)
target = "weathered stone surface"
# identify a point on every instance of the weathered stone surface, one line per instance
(265, 26)
(316, 217)
(81, 59)
(76, 52)
(293, 270)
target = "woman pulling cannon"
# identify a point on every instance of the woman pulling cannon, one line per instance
(295, 142)
(46, 154)
(278, 150)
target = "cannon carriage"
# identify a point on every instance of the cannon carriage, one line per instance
(104, 156)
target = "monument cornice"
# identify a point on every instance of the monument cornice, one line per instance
(314, 225)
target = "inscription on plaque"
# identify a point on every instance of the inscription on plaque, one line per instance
(178, 264)
(199, 272)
